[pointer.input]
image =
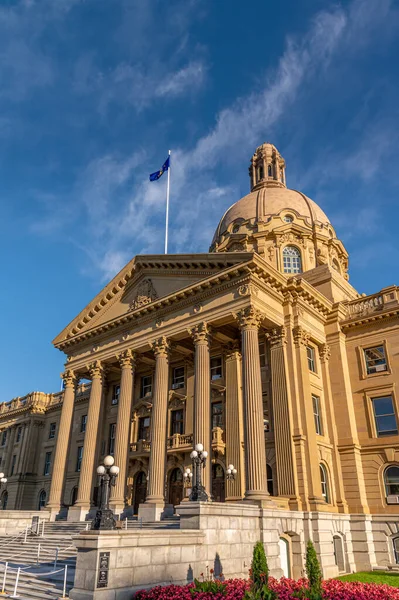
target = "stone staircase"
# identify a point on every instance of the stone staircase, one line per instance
(36, 557)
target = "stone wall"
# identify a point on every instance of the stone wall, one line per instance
(13, 522)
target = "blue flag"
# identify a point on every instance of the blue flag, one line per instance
(158, 174)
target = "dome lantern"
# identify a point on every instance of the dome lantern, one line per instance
(267, 168)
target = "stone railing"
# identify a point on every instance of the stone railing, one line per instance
(179, 440)
(140, 447)
(367, 305)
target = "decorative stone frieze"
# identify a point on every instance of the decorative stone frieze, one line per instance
(301, 336)
(161, 347)
(324, 353)
(201, 333)
(276, 336)
(145, 294)
(249, 318)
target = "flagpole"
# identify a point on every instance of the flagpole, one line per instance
(167, 209)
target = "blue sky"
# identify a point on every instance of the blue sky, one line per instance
(93, 93)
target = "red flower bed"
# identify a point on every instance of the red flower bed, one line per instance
(286, 589)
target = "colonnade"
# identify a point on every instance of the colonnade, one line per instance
(246, 366)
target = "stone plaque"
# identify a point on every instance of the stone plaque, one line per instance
(102, 580)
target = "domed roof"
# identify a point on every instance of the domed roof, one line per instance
(269, 195)
(266, 202)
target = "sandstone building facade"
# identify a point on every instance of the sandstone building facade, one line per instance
(262, 351)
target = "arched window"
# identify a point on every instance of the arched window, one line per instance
(270, 171)
(292, 260)
(260, 173)
(391, 479)
(42, 499)
(395, 543)
(269, 476)
(324, 484)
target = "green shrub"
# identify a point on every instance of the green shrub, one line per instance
(313, 572)
(259, 576)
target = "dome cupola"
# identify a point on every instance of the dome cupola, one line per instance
(284, 226)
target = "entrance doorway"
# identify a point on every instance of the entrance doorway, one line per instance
(74, 495)
(140, 491)
(285, 557)
(176, 490)
(218, 484)
(339, 553)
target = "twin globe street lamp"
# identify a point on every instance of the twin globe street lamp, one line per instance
(198, 457)
(108, 472)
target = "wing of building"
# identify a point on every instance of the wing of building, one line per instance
(260, 350)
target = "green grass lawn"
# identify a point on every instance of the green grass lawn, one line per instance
(373, 577)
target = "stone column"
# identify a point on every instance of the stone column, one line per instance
(127, 363)
(153, 508)
(10, 449)
(22, 447)
(282, 417)
(202, 397)
(249, 320)
(301, 341)
(234, 423)
(61, 451)
(325, 353)
(79, 511)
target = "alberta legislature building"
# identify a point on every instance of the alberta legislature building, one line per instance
(260, 350)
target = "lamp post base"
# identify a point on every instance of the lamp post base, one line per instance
(198, 494)
(104, 519)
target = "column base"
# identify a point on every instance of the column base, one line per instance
(78, 513)
(56, 512)
(117, 508)
(152, 511)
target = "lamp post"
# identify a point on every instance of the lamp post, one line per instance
(108, 472)
(231, 473)
(198, 457)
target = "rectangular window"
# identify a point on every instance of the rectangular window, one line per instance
(178, 378)
(176, 422)
(262, 354)
(19, 433)
(146, 385)
(4, 438)
(111, 439)
(317, 414)
(385, 418)
(311, 359)
(83, 423)
(51, 433)
(47, 463)
(14, 460)
(217, 415)
(144, 429)
(79, 458)
(216, 367)
(115, 394)
(376, 361)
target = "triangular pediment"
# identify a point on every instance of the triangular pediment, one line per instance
(145, 280)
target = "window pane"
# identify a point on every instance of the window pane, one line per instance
(217, 414)
(375, 359)
(383, 406)
(146, 385)
(178, 378)
(292, 260)
(311, 358)
(386, 425)
(216, 367)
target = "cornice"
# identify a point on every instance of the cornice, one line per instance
(193, 263)
(369, 320)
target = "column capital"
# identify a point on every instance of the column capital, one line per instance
(127, 359)
(161, 347)
(201, 333)
(70, 378)
(233, 350)
(324, 353)
(249, 318)
(97, 370)
(301, 336)
(277, 337)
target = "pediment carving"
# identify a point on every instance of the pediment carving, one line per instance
(142, 409)
(176, 400)
(145, 294)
